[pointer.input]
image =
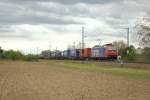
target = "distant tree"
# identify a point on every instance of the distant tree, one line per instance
(13, 55)
(131, 54)
(31, 57)
(146, 52)
(143, 32)
(121, 45)
(1, 52)
(146, 49)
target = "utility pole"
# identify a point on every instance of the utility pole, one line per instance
(74, 45)
(99, 41)
(83, 37)
(37, 50)
(127, 39)
(128, 36)
(30, 51)
(50, 45)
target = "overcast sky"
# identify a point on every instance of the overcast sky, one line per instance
(28, 24)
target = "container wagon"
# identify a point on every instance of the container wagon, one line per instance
(66, 54)
(74, 54)
(98, 52)
(52, 55)
(85, 53)
(56, 55)
(46, 54)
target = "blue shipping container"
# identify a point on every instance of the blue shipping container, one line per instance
(57, 54)
(74, 53)
(66, 53)
(98, 52)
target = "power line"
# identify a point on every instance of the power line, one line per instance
(128, 37)
(83, 37)
(99, 41)
(37, 50)
(50, 45)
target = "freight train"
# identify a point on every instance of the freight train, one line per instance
(107, 51)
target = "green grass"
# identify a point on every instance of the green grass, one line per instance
(127, 72)
(143, 58)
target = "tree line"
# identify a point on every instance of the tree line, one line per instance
(142, 35)
(17, 55)
(131, 53)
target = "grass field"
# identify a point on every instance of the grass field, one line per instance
(88, 66)
(71, 80)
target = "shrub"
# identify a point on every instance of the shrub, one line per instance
(129, 53)
(12, 55)
(16, 55)
(146, 52)
(31, 57)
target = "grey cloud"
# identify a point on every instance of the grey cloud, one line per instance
(28, 14)
(99, 33)
(34, 19)
(6, 29)
(63, 1)
(83, 1)
(7, 32)
(56, 12)
(12, 36)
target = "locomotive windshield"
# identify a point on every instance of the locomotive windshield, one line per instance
(112, 49)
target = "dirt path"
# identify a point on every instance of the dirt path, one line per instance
(42, 81)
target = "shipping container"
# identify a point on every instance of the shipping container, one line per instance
(66, 54)
(53, 54)
(62, 53)
(46, 54)
(98, 52)
(74, 54)
(85, 53)
(81, 53)
(56, 54)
